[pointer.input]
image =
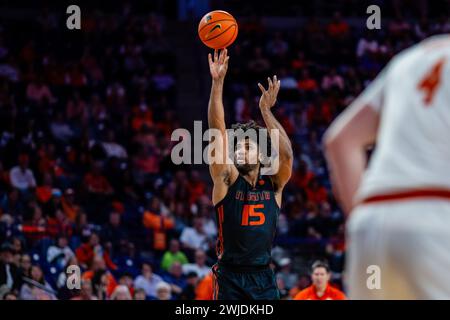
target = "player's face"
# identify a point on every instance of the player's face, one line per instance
(320, 277)
(246, 155)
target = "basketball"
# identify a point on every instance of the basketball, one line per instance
(218, 29)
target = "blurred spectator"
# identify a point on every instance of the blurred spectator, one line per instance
(40, 289)
(60, 254)
(139, 294)
(86, 292)
(121, 292)
(10, 274)
(91, 250)
(176, 279)
(163, 291)
(205, 288)
(188, 292)
(21, 176)
(103, 282)
(320, 288)
(303, 282)
(289, 278)
(199, 267)
(147, 280)
(195, 238)
(173, 255)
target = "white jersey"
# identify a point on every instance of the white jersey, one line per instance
(412, 95)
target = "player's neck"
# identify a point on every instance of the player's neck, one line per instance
(252, 176)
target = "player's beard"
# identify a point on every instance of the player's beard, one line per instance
(245, 168)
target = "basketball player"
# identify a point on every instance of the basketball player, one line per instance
(247, 203)
(399, 227)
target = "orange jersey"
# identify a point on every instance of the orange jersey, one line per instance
(329, 294)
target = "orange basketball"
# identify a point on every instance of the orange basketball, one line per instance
(218, 29)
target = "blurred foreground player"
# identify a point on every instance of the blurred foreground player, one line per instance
(320, 288)
(400, 206)
(247, 203)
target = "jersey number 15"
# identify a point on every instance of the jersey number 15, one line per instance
(249, 211)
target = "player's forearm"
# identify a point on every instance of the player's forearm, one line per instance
(284, 142)
(346, 163)
(216, 115)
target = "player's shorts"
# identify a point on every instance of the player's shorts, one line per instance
(244, 284)
(409, 241)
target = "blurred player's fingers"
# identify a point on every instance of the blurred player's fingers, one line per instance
(277, 86)
(210, 59)
(261, 87)
(224, 55)
(270, 83)
(226, 60)
(215, 55)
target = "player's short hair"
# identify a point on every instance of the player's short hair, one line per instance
(248, 126)
(320, 264)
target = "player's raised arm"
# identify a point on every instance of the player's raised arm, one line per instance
(266, 102)
(220, 171)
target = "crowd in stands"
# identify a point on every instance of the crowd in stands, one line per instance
(86, 177)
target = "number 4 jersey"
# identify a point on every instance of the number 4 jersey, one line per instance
(247, 221)
(412, 95)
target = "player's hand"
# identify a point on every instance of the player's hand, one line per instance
(269, 96)
(219, 66)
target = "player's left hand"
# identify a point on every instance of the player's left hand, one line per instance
(269, 96)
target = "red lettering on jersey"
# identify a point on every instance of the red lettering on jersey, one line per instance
(430, 83)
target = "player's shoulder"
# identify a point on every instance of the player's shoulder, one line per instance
(434, 44)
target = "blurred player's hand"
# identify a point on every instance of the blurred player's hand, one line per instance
(219, 66)
(269, 96)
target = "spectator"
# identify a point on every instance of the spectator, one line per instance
(147, 280)
(21, 176)
(92, 249)
(289, 278)
(320, 288)
(303, 282)
(39, 290)
(199, 267)
(176, 279)
(163, 291)
(86, 292)
(10, 274)
(195, 238)
(60, 254)
(113, 231)
(38, 91)
(68, 205)
(139, 294)
(188, 292)
(96, 183)
(121, 292)
(25, 265)
(103, 282)
(173, 255)
(205, 288)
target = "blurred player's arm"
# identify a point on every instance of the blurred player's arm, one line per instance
(266, 102)
(347, 139)
(221, 172)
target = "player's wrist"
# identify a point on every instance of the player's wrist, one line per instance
(218, 81)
